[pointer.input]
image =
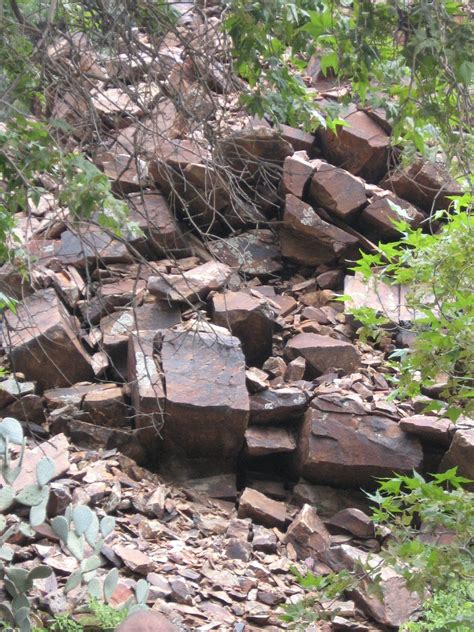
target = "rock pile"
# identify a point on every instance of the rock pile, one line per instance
(211, 345)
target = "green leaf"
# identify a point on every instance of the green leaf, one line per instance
(12, 430)
(19, 578)
(7, 496)
(32, 495)
(90, 564)
(141, 591)
(38, 514)
(107, 525)
(75, 544)
(60, 527)
(40, 572)
(82, 517)
(110, 583)
(73, 581)
(45, 471)
(94, 589)
(6, 553)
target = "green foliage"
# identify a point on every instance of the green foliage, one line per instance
(431, 546)
(438, 270)
(414, 59)
(108, 618)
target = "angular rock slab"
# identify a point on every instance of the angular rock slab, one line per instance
(361, 147)
(349, 450)
(307, 533)
(277, 405)
(268, 440)
(377, 218)
(207, 404)
(261, 509)
(248, 318)
(41, 342)
(337, 191)
(424, 184)
(253, 253)
(297, 172)
(461, 455)
(191, 286)
(324, 353)
(146, 621)
(308, 239)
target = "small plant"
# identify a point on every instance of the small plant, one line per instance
(80, 530)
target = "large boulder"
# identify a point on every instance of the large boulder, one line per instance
(206, 400)
(192, 285)
(337, 191)
(350, 450)
(248, 318)
(461, 454)
(377, 219)
(253, 253)
(308, 239)
(424, 184)
(41, 340)
(324, 353)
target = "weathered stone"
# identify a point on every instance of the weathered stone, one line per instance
(264, 539)
(134, 559)
(91, 436)
(256, 380)
(127, 174)
(12, 389)
(297, 172)
(268, 440)
(29, 408)
(424, 184)
(262, 510)
(41, 341)
(117, 327)
(91, 247)
(118, 107)
(146, 621)
(361, 147)
(249, 319)
(110, 296)
(354, 521)
(337, 191)
(350, 450)
(307, 534)
(308, 239)
(461, 455)
(206, 398)
(298, 139)
(324, 353)
(151, 212)
(238, 550)
(277, 405)
(327, 500)
(431, 429)
(377, 218)
(69, 285)
(275, 366)
(249, 150)
(222, 486)
(397, 605)
(192, 285)
(374, 293)
(146, 386)
(295, 370)
(13, 283)
(253, 253)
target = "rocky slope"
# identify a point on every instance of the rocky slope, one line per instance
(210, 348)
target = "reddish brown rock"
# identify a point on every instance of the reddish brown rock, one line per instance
(90, 247)
(252, 253)
(247, 150)
(206, 399)
(308, 239)
(354, 521)
(151, 212)
(277, 405)
(461, 455)
(262, 510)
(297, 172)
(295, 370)
(376, 219)
(41, 341)
(249, 319)
(350, 450)
(307, 534)
(110, 296)
(264, 539)
(29, 408)
(70, 285)
(323, 353)
(361, 147)
(190, 286)
(146, 621)
(117, 327)
(337, 191)
(12, 389)
(126, 173)
(431, 429)
(268, 440)
(298, 139)
(385, 299)
(327, 500)
(424, 184)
